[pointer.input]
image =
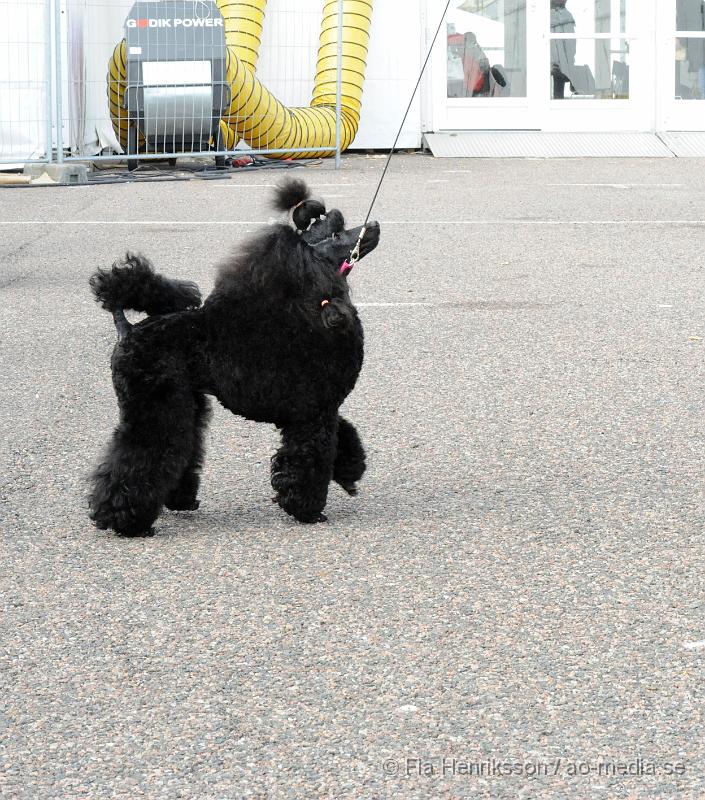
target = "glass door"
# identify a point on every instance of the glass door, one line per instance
(600, 76)
(682, 54)
(481, 70)
(553, 65)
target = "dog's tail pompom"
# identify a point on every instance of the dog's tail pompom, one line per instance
(133, 284)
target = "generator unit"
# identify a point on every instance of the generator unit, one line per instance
(176, 89)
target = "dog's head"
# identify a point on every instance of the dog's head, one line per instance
(323, 231)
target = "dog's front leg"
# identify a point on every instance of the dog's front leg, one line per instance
(349, 464)
(302, 468)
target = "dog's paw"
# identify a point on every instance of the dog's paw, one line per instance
(141, 535)
(179, 504)
(122, 523)
(310, 519)
(350, 488)
(306, 516)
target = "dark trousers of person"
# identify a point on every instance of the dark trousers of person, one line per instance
(559, 82)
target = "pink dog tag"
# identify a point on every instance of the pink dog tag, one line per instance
(346, 268)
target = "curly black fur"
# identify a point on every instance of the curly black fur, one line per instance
(277, 341)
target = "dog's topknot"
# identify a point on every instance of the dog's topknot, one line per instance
(290, 193)
(294, 195)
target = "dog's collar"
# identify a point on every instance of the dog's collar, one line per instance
(348, 265)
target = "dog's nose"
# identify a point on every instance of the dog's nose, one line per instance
(371, 239)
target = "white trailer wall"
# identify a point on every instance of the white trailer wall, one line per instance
(23, 79)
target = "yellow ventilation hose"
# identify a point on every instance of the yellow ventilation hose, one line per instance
(117, 83)
(243, 36)
(243, 28)
(255, 114)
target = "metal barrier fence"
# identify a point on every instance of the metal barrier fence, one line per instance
(92, 80)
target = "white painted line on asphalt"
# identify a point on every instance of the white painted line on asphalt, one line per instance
(545, 222)
(396, 305)
(623, 185)
(694, 645)
(617, 185)
(415, 222)
(236, 185)
(144, 222)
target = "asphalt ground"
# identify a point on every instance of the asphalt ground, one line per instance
(513, 606)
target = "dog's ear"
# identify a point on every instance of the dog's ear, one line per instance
(336, 313)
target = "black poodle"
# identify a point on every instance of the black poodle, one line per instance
(278, 341)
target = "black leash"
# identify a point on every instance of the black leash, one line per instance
(355, 253)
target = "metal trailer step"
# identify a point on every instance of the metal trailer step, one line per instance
(536, 144)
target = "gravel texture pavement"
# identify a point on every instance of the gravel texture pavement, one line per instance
(518, 589)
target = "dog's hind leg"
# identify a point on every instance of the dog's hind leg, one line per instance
(149, 453)
(349, 465)
(303, 467)
(185, 496)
